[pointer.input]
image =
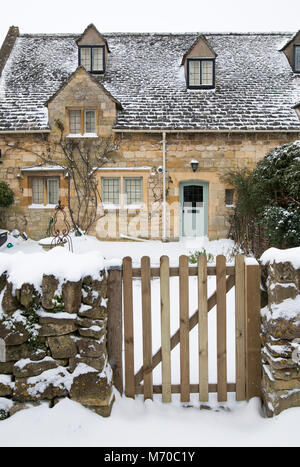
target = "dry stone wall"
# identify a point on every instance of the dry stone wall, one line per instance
(281, 337)
(53, 343)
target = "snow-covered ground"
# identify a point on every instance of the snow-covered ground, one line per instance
(135, 423)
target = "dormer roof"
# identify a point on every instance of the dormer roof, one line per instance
(81, 69)
(200, 39)
(93, 32)
(289, 41)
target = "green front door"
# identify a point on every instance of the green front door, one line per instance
(194, 208)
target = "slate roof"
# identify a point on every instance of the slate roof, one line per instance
(255, 87)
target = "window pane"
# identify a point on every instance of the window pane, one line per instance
(38, 190)
(90, 121)
(229, 197)
(52, 190)
(111, 190)
(133, 191)
(75, 122)
(207, 72)
(85, 57)
(98, 58)
(194, 71)
(297, 58)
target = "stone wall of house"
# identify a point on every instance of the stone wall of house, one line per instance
(53, 343)
(216, 153)
(281, 337)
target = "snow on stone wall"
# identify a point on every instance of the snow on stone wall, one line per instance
(53, 322)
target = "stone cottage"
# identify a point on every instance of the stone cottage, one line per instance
(183, 109)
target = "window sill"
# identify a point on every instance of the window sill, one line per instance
(85, 135)
(42, 206)
(110, 207)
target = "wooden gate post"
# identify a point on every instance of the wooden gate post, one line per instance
(253, 343)
(114, 326)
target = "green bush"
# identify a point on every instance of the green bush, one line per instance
(268, 198)
(6, 195)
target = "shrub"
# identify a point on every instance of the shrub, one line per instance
(268, 199)
(6, 195)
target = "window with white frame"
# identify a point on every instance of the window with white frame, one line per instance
(201, 73)
(75, 122)
(38, 190)
(111, 191)
(90, 121)
(122, 192)
(92, 58)
(133, 191)
(45, 190)
(82, 122)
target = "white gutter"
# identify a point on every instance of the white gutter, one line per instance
(20, 132)
(118, 130)
(164, 206)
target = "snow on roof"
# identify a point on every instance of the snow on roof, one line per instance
(255, 87)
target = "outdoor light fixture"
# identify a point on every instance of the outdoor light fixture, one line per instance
(194, 164)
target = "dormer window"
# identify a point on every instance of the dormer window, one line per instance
(297, 58)
(200, 73)
(92, 58)
(82, 123)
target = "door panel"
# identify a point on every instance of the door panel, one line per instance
(193, 210)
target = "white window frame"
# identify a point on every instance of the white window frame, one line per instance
(140, 202)
(95, 121)
(48, 179)
(45, 202)
(108, 205)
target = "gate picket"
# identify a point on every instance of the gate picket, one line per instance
(240, 328)
(147, 332)
(221, 328)
(203, 328)
(128, 328)
(165, 328)
(184, 328)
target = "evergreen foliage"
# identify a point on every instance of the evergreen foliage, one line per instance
(6, 195)
(269, 197)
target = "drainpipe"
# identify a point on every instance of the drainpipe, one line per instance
(164, 211)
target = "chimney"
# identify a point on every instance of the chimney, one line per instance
(8, 45)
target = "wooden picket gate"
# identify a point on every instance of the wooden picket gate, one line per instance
(246, 279)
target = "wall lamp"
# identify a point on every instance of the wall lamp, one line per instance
(194, 164)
